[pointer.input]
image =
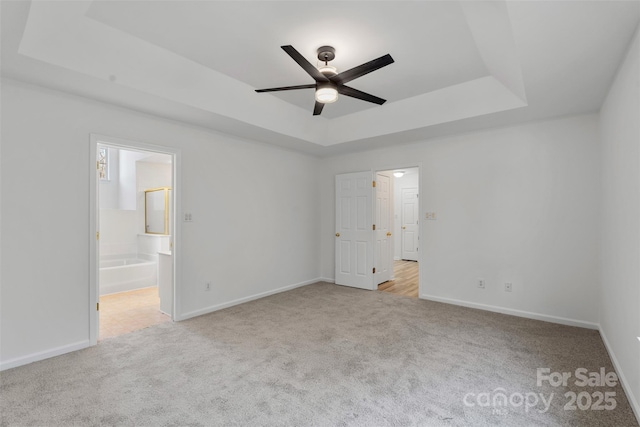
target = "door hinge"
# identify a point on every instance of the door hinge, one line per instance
(374, 270)
(97, 306)
(97, 235)
(417, 195)
(374, 227)
(97, 165)
(374, 183)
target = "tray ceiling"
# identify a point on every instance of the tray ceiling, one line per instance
(459, 65)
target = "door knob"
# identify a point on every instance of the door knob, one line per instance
(404, 228)
(337, 234)
(388, 234)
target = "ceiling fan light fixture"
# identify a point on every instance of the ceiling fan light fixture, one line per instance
(398, 174)
(326, 95)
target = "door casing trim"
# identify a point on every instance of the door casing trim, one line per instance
(176, 225)
(421, 229)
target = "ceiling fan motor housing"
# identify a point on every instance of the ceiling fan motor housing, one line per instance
(326, 53)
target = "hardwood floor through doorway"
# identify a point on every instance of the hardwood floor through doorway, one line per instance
(126, 312)
(406, 279)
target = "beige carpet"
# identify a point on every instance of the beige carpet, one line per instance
(320, 355)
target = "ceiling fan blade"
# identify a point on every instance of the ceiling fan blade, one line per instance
(310, 69)
(361, 70)
(275, 89)
(318, 108)
(355, 93)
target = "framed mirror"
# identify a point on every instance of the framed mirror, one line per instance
(156, 210)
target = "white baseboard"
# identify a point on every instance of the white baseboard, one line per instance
(513, 312)
(35, 357)
(633, 400)
(326, 279)
(217, 307)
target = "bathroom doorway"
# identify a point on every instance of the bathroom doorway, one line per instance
(134, 250)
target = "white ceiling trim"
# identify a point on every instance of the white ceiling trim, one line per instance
(490, 25)
(59, 33)
(471, 99)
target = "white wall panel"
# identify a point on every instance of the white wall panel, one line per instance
(255, 215)
(620, 292)
(517, 204)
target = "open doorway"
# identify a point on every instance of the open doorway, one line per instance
(134, 216)
(397, 220)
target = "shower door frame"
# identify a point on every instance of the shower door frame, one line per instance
(94, 228)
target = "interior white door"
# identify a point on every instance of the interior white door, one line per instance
(383, 255)
(410, 217)
(354, 235)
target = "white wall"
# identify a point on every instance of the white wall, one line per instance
(120, 228)
(118, 232)
(119, 191)
(151, 175)
(515, 204)
(408, 180)
(255, 216)
(128, 177)
(620, 291)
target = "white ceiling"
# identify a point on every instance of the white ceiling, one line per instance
(254, 56)
(458, 66)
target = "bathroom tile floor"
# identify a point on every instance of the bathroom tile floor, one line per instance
(126, 312)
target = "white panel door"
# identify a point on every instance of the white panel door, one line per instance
(383, 254)
(410, 217)
(354, 235)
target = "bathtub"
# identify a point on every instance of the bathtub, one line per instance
(126, 272)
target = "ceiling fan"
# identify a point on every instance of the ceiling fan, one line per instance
(329, 83)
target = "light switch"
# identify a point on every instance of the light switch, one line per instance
(188, 217)
(431, 216)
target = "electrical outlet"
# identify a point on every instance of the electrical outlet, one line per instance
(508, 286)
(481, 283)
(188, 217)
(207, 286)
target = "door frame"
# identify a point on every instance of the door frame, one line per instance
(421, 228)
(94, 212)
